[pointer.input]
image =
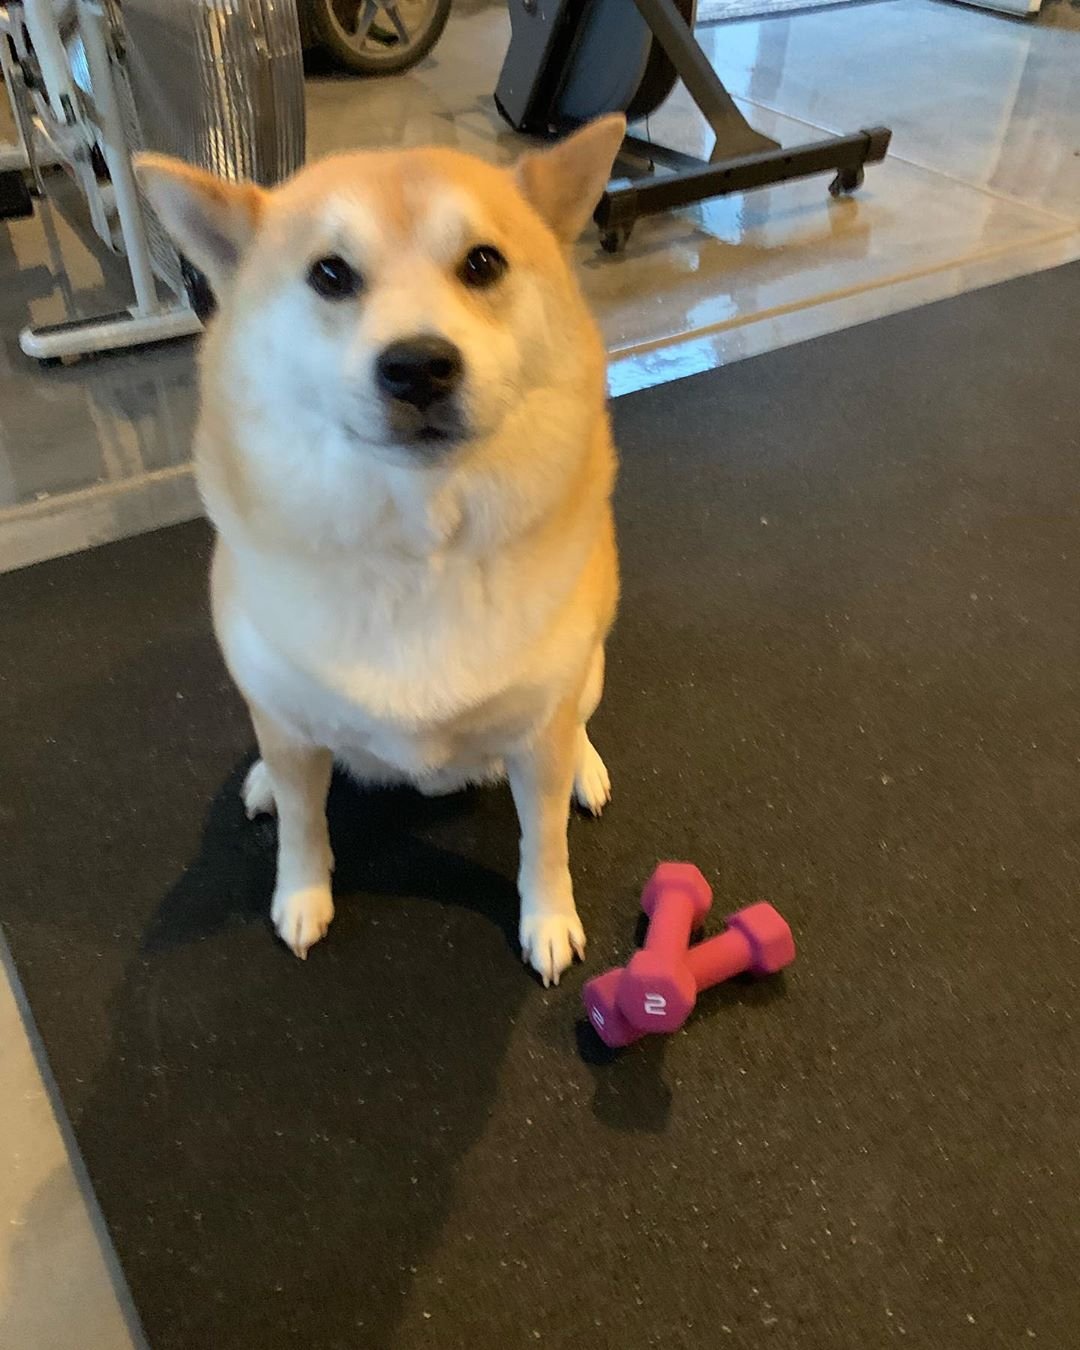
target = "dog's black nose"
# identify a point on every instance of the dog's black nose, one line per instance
(419, 370)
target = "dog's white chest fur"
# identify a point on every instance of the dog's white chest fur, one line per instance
(420, 665)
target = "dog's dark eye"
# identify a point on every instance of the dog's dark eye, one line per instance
(333, 278)
(484, 265)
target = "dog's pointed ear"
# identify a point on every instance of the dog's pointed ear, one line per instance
(564, 184)
(210, 221)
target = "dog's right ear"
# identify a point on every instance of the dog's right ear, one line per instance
(210, 221)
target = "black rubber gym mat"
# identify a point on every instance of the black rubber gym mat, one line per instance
(845, 678)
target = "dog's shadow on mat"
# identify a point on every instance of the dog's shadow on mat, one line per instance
(278, 1143)
(385, 844)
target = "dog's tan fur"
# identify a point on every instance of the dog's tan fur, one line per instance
(436, 619)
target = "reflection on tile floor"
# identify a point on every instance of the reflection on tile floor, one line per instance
(983, 184)
(983, 99)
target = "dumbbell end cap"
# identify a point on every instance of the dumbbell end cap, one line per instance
(599, 996)
(655, 994)
(680, 876)
(771, 943)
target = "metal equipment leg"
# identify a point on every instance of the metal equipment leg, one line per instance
(151, 318)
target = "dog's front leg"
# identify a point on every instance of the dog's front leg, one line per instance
(541, 777)
(300, 780)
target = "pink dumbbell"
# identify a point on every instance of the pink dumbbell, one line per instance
(756, 939)
(676, 899)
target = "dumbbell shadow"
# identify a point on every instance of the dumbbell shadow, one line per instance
(630, 1093)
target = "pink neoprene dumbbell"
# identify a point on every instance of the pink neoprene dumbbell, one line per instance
(676, 900)
(756, 939)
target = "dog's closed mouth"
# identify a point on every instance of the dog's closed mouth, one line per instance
(432, 429)
(423, 439)
(432, 435)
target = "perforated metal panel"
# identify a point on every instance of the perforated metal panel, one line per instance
(219, 83)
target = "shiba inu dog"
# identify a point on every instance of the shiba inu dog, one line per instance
(404, 448)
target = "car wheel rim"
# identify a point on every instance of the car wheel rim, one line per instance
(387, 30)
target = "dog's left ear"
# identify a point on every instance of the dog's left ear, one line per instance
(564, 183)
(211, 221)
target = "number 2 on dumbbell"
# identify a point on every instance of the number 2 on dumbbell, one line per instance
(655, 1005)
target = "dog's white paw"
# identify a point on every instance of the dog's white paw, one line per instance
(257, 792)
(592, 782)
(549, 942)
(302, 917)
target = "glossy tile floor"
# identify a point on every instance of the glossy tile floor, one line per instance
(983, 184)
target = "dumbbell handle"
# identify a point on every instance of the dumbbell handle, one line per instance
(671, 924)
(719, 958)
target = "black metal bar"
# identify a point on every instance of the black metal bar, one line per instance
(662, 154)
(638, 158)
(734, 134)
(621, 206)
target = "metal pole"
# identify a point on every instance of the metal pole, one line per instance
(93, 25)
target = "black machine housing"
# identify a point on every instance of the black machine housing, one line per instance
(572, 60)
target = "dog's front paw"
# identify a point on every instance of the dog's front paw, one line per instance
(550, 940)
(592, 783)
(302, 917)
